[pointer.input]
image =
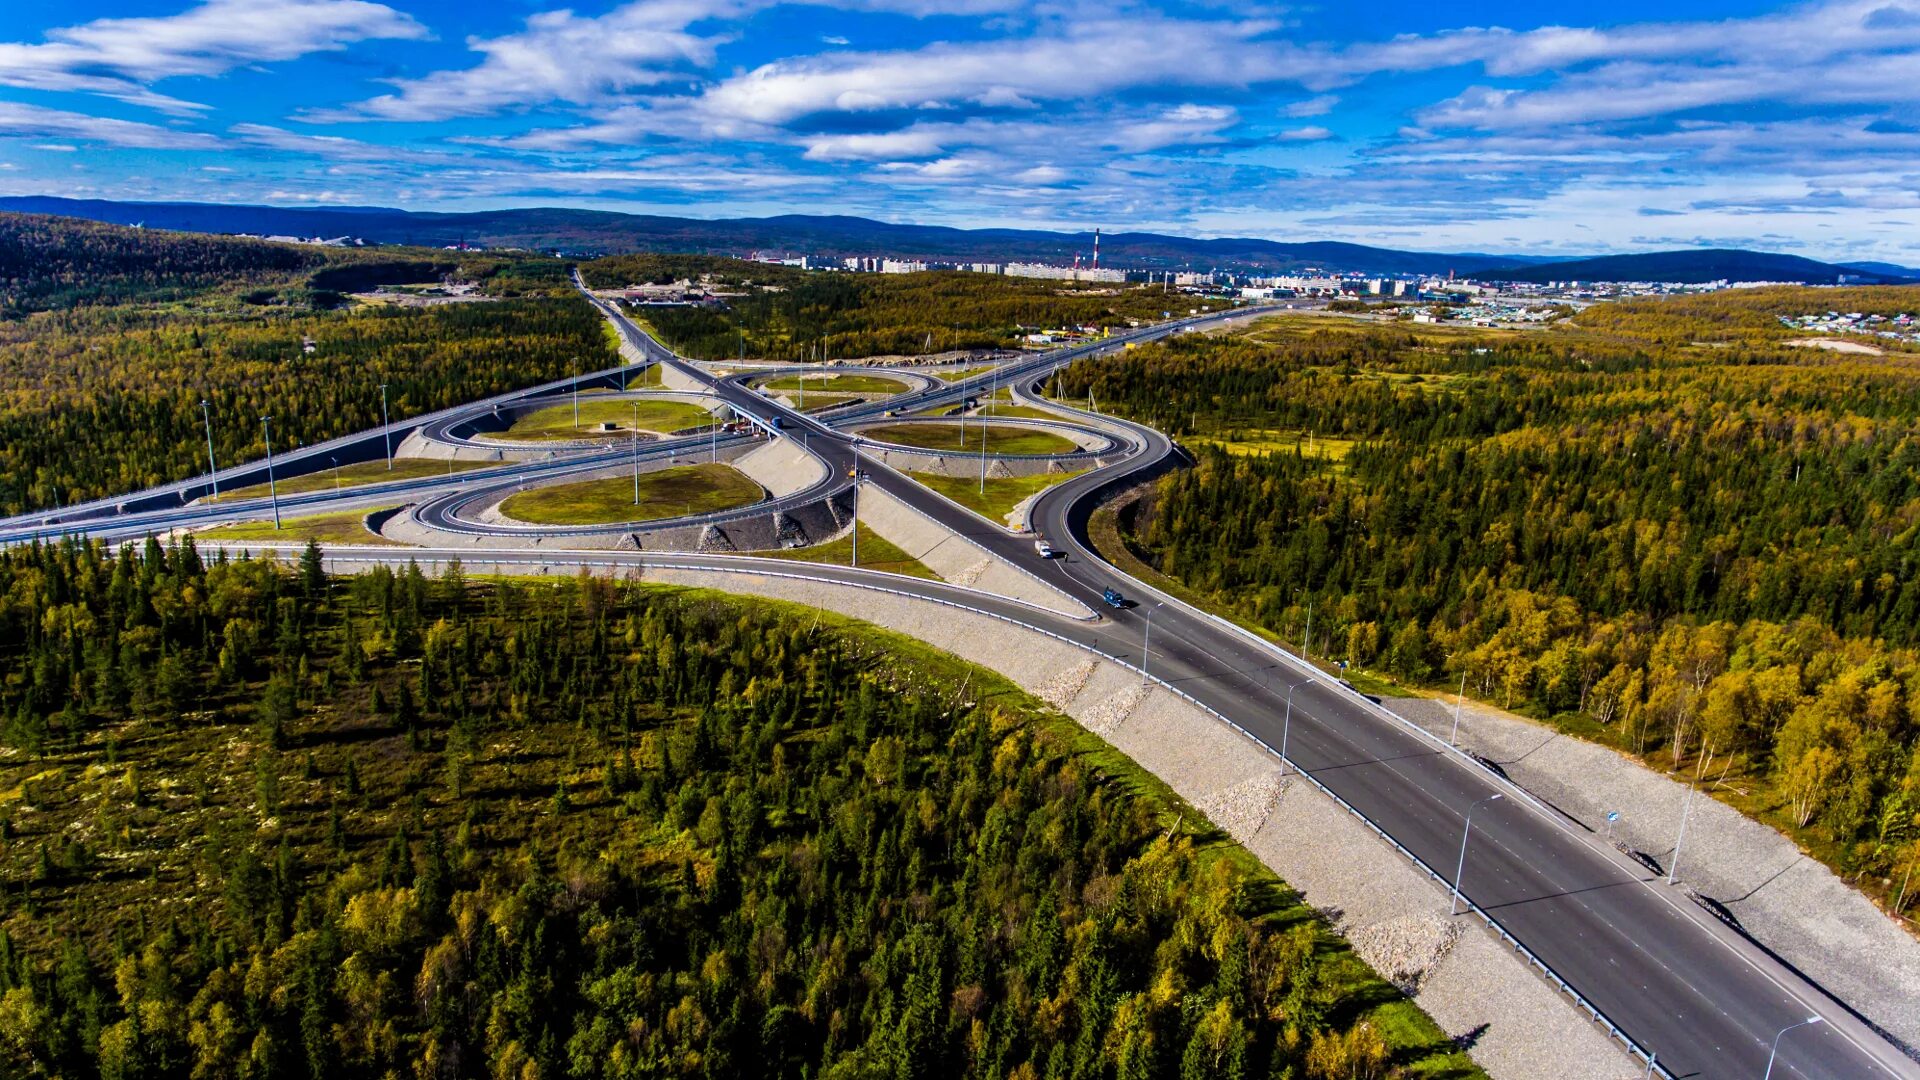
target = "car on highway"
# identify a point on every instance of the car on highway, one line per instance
(1113, 598)
(1043, 549)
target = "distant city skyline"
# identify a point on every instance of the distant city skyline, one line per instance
(1505, 127)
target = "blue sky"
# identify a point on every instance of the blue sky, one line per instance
(1496, 126)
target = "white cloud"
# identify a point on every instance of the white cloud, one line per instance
(119, 57)
(1313, 106)
(558, 56)
(33, 121)
(1310, 133)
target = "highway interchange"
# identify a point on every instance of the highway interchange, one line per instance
(1675, 982)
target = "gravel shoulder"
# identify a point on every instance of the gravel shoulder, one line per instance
(1789, 903)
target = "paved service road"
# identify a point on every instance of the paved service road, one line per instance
(1680, 984)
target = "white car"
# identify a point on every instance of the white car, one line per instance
(1043, 549)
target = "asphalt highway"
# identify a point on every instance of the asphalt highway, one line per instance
(1680, 984)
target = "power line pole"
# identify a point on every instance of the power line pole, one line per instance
(273, 492)
(213, 471)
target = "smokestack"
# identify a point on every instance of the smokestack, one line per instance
(1096, 249)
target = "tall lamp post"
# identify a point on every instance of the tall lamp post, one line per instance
(1286, 726)
(386, 426)
(1771, 1054)
(636, 453)
(1146, 640)
(213, 471)
(859, 477)
(266, 428)
(1460, 868)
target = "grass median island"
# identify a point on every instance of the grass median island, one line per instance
(1016, 412)
(556, 421)
(364, 472)
(876, 553)
(1000, 440)
(966, 373)
(1001, 494)
(673, 492)
(339, 527)
(841, 384)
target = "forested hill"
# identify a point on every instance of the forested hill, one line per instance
(1695, 267)
(606, 232)
(49, 262)
(110, 337)
(1661, 527)
(785, 313)
(261, 824)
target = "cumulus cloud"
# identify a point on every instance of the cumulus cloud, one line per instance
(119, 57)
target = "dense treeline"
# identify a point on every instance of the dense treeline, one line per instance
(273, 825)
(50, 262)
(797, 315)
(101, 401)
(1705, 555)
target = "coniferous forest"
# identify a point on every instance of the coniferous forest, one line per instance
(263, 823)
(785, 313)
(100, 392)
(1660, 527)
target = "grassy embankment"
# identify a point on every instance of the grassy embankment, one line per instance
(837, 384)
(876, 553)
(1001, 494)
(683, 489)
(340, 527)
(999, 440)
(364, 472)
(556, 421)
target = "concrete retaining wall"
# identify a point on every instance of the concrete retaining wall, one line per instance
(958, 559)
(783, 466)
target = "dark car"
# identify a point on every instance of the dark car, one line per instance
(1113, 598)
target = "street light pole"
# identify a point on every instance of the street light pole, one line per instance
(576, 393)
(857, 478)
(1686, 814)
(1771, 1054)
(636, 453)
(336, 471)
(213, 471)
(1454, 739)
(1286, 727)
(386, 426)
(273, 492)
(1146, 640)
(1453, 908)
(1306, 643)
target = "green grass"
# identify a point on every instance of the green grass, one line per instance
(876, 553)
(1000, 440)
(340, 527)
(365, 472)
(843, 384)
(1017, 412)
(1002, 493)
(648, 376)
(818, 402)
(556, 421)
(683, 489)
(967, 373)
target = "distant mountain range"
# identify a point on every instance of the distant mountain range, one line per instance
(1711, 264)
(598, 232)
